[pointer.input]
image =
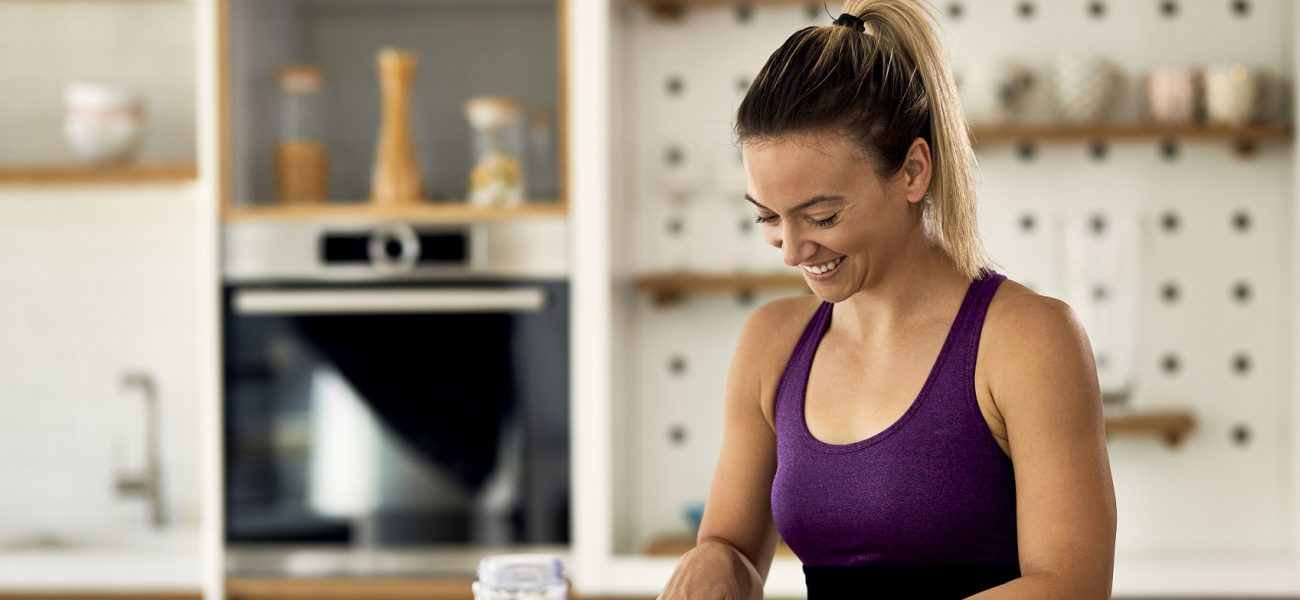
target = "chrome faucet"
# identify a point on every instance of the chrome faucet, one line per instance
(146, 484)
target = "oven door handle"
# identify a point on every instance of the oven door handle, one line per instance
(388, 301)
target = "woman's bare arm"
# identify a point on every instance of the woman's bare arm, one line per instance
(737, 536)
(1044, 382)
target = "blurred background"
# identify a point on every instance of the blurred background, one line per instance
(335, 298)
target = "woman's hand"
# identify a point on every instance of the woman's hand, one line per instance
(713, 571)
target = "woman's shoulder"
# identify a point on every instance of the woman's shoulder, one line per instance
(768, 340)
(1017, 309)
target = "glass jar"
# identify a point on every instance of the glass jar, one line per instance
(521, 577)
(497, 177)
(301, 161)
(541, 171)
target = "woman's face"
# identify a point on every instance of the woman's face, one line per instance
(820, 202)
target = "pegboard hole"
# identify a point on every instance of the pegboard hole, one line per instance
(677, 364)
(814, 11)
(1098, 151)
(1096, 9)
(1170, 364)
(745, 297)
(1241, 292)
(742, 84)
(1169, 292)
(1169, 9)
(675, 226)
(1241, 8)
(1026, 10)
(1102, 360)
(1026, 151)
(1098, 225)
(674, 156)
(1027, 223)
(1169, 150)
(677, 435)
(1241, 363)
(746, 225)
(954, 10)
(744, 14)
(1240, 435)
(1169, 222)
(1241, 221)
(674, 85)
(1100, 292)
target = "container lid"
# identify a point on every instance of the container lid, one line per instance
(521, 572)
(301, 78)
(487, 112)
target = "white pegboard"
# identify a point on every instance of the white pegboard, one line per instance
(1149, 293)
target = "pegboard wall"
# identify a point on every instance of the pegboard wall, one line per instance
(1176, 256)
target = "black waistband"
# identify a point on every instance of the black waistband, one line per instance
(891, 581)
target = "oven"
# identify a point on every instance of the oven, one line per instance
(389, 383)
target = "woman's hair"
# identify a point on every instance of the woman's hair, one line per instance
(882, 89)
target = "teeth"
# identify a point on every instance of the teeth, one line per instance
(826, 267)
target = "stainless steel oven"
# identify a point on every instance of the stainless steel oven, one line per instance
(394, 384)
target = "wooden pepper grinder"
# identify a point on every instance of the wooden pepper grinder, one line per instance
(396, 176)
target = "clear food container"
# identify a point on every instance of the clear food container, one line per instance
(521, 577)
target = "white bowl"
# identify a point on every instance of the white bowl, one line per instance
(103, 121)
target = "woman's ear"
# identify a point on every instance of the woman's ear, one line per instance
(917, 170)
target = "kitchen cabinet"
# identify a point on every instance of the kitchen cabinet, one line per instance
(462, 50)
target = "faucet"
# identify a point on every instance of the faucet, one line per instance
(146, 484)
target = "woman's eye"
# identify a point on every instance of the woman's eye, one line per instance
(827, 222)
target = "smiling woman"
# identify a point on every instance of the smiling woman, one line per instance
(921, 426)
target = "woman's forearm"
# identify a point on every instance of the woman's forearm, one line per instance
(1043, 585)
(714, 570)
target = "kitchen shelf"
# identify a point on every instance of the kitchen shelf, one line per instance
(667, 288)
(1170, 425)
(81, 175)
(425, 212)
(1244, 139)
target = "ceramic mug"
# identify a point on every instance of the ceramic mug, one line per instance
(103, 121)
(1173, 95)
(1083, 88)
(993, 91)
(1234, 94)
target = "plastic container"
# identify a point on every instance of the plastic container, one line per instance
(521, 577)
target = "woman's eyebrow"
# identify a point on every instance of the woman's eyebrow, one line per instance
(804, 204)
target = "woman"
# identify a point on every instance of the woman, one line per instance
(920, 427)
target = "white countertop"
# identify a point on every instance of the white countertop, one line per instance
(166, 561)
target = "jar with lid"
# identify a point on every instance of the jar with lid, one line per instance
(521, 577)
(301, 161)
(497, 177)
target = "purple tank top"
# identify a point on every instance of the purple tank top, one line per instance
(934, 488)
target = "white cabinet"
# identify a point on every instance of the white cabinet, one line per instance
(101, 292)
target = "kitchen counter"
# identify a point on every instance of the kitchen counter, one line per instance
(168, 563)
(427, 562)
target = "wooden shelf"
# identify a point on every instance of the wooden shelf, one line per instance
(670, 287)
(677, 544)
(425, 212)
(1170, 425)
(82, 175)
(1243, 139)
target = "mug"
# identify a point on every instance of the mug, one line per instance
(1234, 94)
(1173, 95)
(993, 91)
(1083, 88)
